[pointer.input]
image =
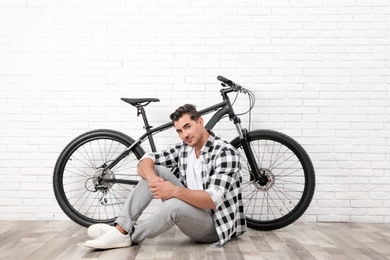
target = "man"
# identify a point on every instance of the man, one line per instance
(204, 201)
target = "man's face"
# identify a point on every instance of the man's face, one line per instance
(190, 131)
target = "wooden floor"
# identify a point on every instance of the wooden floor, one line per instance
(65, 240)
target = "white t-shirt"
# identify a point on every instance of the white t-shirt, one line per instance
(194, 172)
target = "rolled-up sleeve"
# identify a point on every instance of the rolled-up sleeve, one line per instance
(168, 158)
(216, 195)
(146, 155)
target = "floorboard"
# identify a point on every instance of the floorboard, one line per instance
(65, 240)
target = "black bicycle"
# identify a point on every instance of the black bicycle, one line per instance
(96, 171)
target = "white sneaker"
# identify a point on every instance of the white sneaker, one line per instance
(110, 239)
(96, 230)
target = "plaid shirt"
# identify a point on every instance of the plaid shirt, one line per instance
(221, 176)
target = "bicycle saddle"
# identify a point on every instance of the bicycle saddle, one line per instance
(138, 101)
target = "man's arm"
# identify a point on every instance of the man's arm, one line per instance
(197, 198)
(145, 169)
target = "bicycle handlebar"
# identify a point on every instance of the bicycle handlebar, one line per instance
(225, 80)
(232, 84)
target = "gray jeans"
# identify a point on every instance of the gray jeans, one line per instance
(198, 224)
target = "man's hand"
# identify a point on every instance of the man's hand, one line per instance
(154, 180)
(162, 189)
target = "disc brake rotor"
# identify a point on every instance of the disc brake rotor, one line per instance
(270, 180)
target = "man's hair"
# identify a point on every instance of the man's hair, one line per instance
(185, 109)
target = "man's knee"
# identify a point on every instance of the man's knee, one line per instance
(163, 172)
(167, 174)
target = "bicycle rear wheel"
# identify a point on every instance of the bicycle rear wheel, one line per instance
(77, 188)
(290, 180)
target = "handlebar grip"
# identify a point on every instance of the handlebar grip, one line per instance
(225, 80)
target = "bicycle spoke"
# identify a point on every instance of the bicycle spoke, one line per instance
(86, 157)
(97, 208)
(297, 170)
(284, 160)
(248, 201)
(110, 155)
(83, 175)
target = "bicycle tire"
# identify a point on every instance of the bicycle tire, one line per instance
(75, 179)
(290, 180)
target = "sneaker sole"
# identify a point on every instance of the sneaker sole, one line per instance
(120, 245)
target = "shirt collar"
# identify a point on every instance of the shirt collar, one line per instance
(208, 143)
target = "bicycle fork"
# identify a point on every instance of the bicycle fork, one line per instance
(258, 176)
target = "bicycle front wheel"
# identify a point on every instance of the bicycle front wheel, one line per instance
(290, 180)
(78, 174)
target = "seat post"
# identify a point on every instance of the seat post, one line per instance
(147, 127)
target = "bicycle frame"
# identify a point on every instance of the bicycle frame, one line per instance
(222, 109)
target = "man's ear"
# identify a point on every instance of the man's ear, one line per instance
(200, 121)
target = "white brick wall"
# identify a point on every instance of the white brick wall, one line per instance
(320, 70)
